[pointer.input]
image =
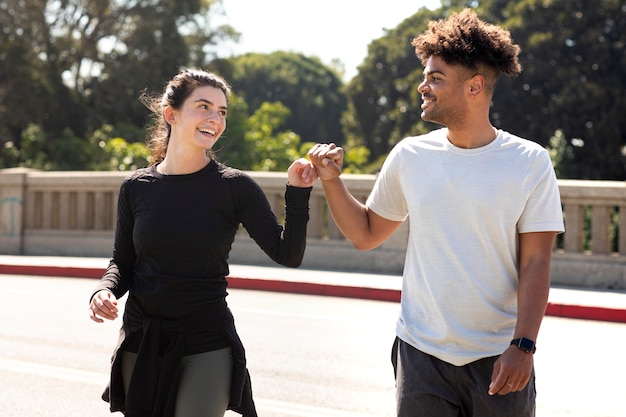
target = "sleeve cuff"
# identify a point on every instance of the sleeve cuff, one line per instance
(297, 197)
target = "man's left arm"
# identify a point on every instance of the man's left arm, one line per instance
(513, 369)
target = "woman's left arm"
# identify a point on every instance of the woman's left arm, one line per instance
(284, 244)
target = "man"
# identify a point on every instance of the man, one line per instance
(484, 209)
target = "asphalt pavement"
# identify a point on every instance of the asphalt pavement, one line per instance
(309, 356)
(579, 303)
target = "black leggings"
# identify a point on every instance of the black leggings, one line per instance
(204, 387)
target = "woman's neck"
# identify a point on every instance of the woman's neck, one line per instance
(173, 165)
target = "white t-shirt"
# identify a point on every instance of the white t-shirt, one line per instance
(466, 207)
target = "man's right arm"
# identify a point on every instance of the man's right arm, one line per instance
(361, 226)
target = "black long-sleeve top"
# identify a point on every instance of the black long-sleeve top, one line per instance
(173, 237)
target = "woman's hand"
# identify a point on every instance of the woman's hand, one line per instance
(103, 304)
(301, 173)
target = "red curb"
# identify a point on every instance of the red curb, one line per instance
(377, 294)
(586, 312)
(314, 289)
(52, 271)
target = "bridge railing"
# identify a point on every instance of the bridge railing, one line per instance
(74, 214)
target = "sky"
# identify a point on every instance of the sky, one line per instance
(328, 29)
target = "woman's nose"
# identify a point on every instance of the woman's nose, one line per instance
(213, 115)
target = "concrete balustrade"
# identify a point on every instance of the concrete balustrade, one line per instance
(74, 214)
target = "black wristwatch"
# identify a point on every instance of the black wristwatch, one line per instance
(525, 344)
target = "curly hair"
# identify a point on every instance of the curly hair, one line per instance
(174, 95)
(466, 40)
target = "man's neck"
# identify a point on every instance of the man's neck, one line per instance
(472, 138)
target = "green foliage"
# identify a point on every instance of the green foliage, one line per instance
(103, 151)
(33, 150)
(124, 156)
(22, 89)
(311, 90)
(152, 41)
(573, 81)
(356, 158)
(232, 148)
(79, 64)
(110, 151)
(273, 151)
(69, 153)
(560, 153)
(69, 68)
(9, 155)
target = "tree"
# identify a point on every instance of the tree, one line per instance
(32, 91)
(154, 40)
(232, 148)
(33, 151)
(572, 86)
(118, 148)
(273, 150)
(573, 82)
(79, 64)
(124, 156)
(309, 89)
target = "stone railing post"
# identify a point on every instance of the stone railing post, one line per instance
(12, 193)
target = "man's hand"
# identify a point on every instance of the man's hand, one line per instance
(511, 372)
(327, 159)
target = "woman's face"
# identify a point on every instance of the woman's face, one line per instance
(202, 118)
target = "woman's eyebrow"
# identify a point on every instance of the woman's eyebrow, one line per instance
(204, 100)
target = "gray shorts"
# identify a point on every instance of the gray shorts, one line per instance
(427, 386)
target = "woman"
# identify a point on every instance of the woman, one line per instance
(178, 353)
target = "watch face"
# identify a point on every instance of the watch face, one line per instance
(526, 344)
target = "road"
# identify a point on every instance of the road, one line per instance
(309, 356)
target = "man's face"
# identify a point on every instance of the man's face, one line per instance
(443, 100)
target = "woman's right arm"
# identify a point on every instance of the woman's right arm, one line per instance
(116, 279)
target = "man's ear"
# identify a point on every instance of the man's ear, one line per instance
(476, 84)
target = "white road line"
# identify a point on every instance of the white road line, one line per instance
(289, 314)
(302, 410)
(51, 371)
(99, 378)
(352, 320)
